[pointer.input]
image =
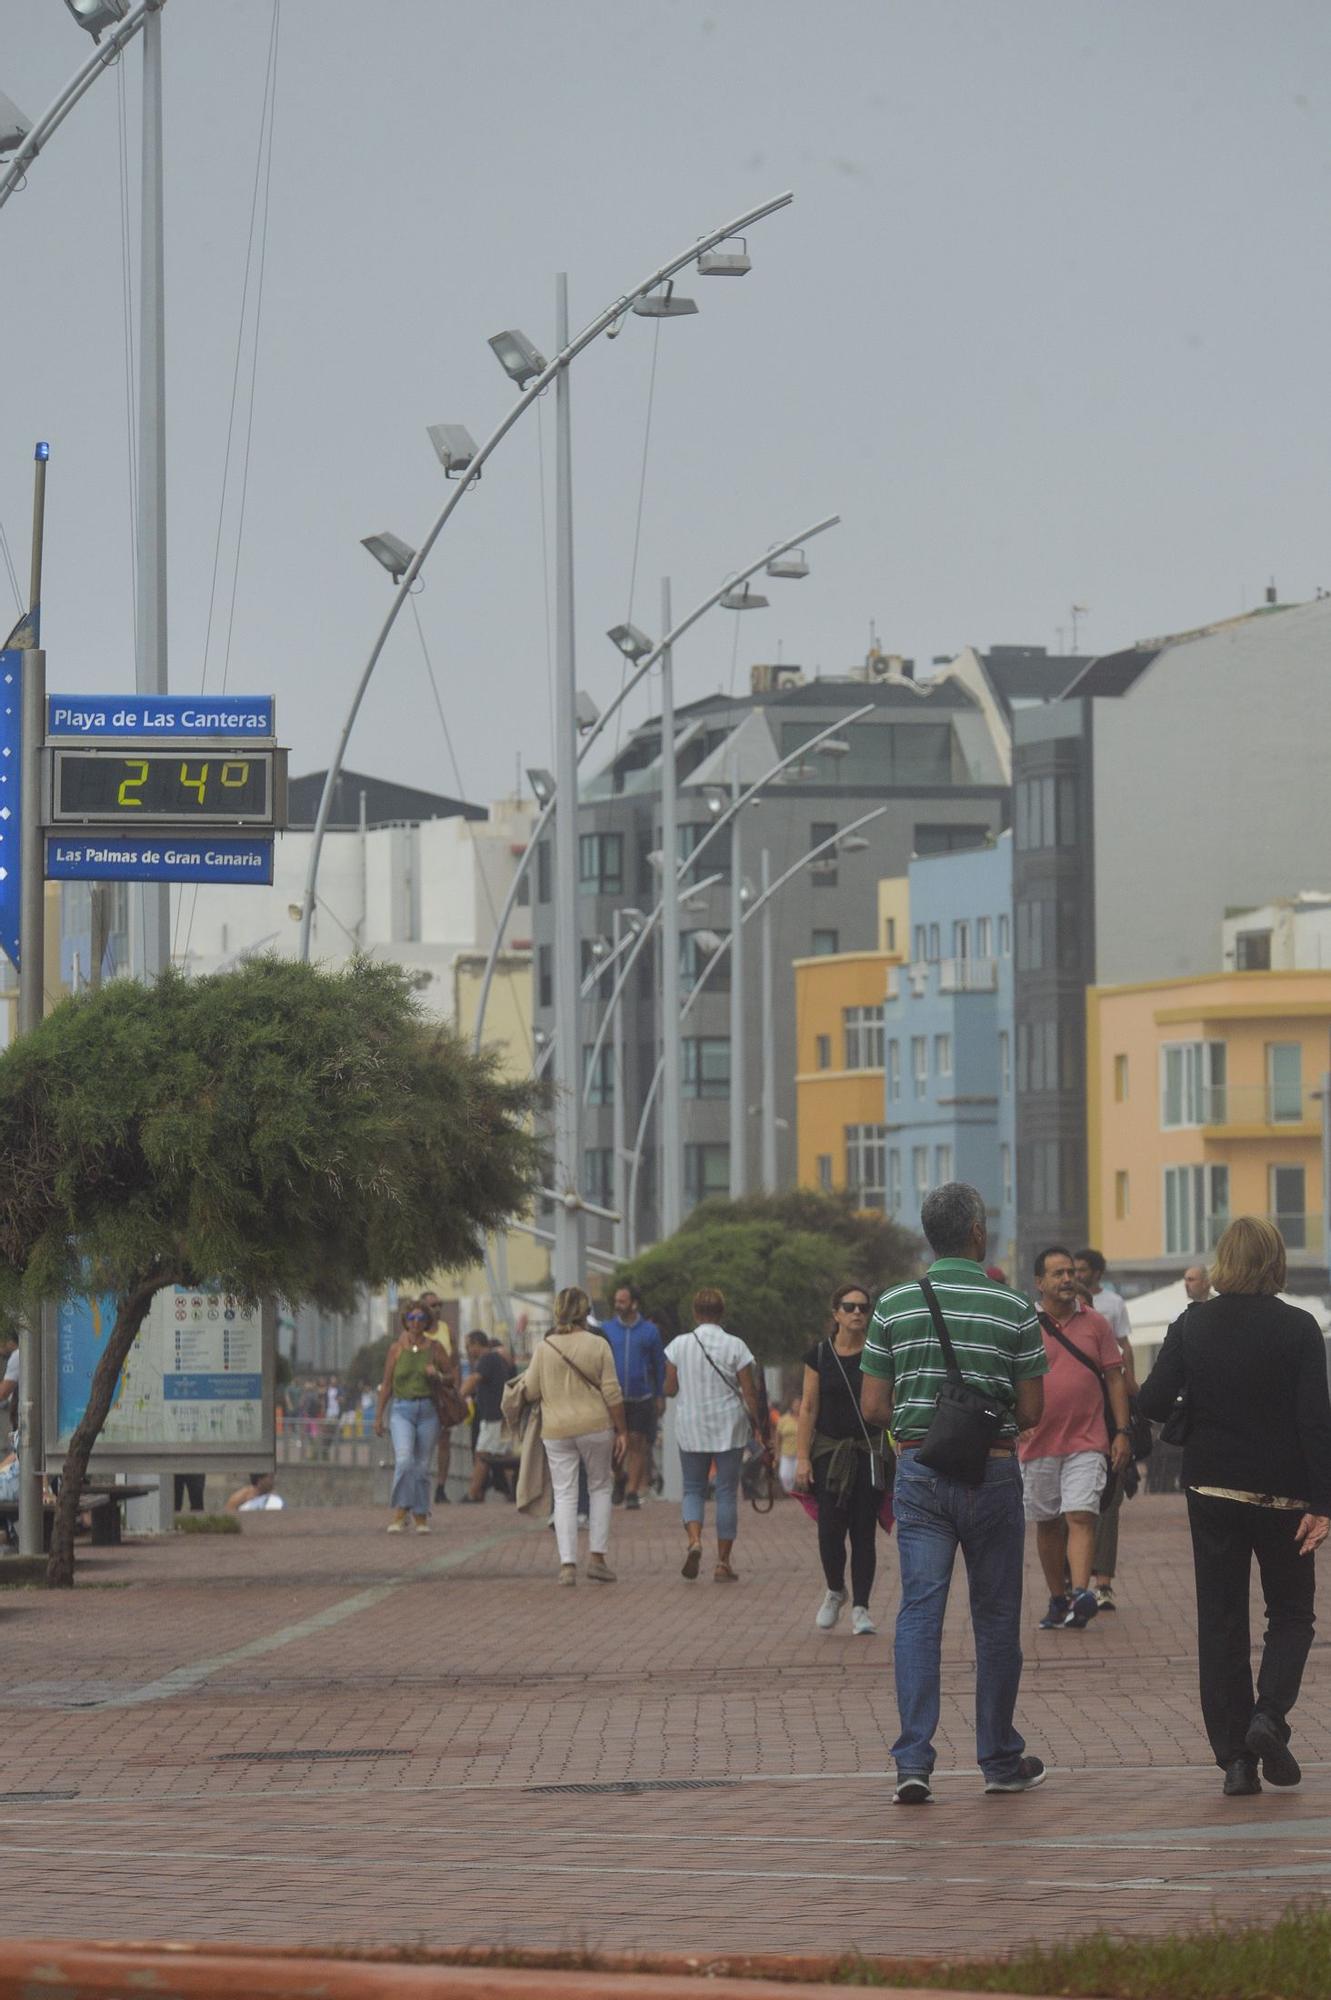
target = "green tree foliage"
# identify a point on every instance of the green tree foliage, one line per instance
(366, 1367)
(278, 1129)
(778, 1259)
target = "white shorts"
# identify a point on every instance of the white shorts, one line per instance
(490, 1440)
(1072, 1485)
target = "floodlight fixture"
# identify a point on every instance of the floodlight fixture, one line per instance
(834, 746)
(599, 946)
(586, 711)
(664, 304)
(94, 15)
(728, 259)
(632, 643)
(747, 892)
(391, 551)
(14, 127)
(793, 564)
(717, 799)
(709, 940)
(744, 600)
(852, 843)
(655, 859)
(455, 447)
(518, 356)
(542, 783)
(695, 905)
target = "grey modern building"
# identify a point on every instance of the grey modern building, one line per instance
(1171, 782)
(933, 756)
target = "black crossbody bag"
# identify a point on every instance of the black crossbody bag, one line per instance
(966, 1422)
(1111, 1479)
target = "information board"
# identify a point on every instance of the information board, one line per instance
(93, 715)
(112, 857)
(198, 1381)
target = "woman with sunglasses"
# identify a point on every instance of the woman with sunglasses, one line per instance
(843, 1460)
(415, 1362)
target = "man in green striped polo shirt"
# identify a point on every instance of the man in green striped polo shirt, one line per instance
(999, 1350)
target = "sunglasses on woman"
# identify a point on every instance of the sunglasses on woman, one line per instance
(853, 1306)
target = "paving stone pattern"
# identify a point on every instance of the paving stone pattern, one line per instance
(168, 1729)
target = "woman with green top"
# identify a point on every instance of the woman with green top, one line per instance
(843, 1460)
(416, 1361)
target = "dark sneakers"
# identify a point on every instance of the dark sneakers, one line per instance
(1264, 1741)
(1241, 1779)
(913, 1789)
(1057, 1614)
(1029, 1773)
(1082, 1607)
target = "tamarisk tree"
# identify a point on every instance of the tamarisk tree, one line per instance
(279, 1129)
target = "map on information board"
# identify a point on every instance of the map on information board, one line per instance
(193, 1379)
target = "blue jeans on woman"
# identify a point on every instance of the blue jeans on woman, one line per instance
(413, 1425)
(937, 1516)
(695, 1466)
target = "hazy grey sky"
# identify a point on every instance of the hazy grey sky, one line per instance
(1048, 322)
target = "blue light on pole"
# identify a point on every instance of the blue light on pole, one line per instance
(43, 451)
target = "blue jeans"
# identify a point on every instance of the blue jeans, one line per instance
(695, 1466)
(935, 1517)
(413, 1425)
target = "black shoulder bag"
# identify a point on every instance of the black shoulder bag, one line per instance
(966, 1421)
(1111, 1478)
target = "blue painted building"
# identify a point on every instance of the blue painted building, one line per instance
(949, 1044)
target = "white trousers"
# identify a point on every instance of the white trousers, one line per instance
(591, 1449)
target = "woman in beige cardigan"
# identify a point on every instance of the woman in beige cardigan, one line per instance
(572, 1376)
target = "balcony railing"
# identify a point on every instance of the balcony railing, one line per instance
(968, 975)
(1261, 1104)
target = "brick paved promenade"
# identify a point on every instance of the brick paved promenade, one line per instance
(177, 1734)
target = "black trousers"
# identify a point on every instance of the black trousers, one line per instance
(855, 1517)
(1226, 1535)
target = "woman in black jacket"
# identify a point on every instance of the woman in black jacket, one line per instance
(1252, 1372)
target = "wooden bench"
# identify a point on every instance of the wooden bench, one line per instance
(94, 1505)
(108, 1524)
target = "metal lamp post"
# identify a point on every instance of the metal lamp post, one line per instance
(124, 23)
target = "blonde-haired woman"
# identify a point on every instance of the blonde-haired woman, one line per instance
(1251, 1371)
(572, 1376)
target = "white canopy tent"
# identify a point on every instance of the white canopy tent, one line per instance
(1153, 1313)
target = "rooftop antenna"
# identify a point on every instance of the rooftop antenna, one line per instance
(1077, 611)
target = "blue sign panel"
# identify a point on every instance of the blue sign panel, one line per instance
(82, 1325)
(109, 857)
(159, 715)
(11, 782)
(212, 1388)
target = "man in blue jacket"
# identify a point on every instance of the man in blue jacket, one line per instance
(640, 1366)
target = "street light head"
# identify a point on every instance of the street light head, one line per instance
(542, 783)
(729, 259)
(454, 445)
(853, 843)
(709, 940)
(656, 859)
(14, 127)
(391, 551)
(586, 711)
(695, 905)
(664, 304)
(94, 15)
(793, 564)
(518, 356)
(747, 892)
(834, 746)
(717, 800)
(632, 643)
(744, 600)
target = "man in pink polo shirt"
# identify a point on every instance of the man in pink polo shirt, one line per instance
(1063, 1466)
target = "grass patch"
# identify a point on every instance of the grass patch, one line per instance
(1287, 1960)
(207, 1524)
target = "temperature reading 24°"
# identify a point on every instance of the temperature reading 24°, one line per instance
(165, 786)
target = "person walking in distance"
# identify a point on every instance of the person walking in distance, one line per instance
(635, 1343)
(1197, 1284)
(996, 1341)
(572, 1376)
(413, 1364)
(485, 1381)
(840, 1459)
(712, 1373)
(1257, 1472)
(444, 1335)
(1090, 1270)
(1063, 1458)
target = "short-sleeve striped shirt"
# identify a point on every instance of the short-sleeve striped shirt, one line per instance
(994, 1330)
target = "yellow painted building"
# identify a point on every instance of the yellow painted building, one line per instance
(1204, 1102)
(840, 1103)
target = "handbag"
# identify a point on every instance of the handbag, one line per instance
(966, 1421)
(1051, 1326)
(877, 1459)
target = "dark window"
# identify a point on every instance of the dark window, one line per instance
(947, 839)
(693, 957)
(824, 1052)
(826, 944)
(1252, 951)
(706, 1172)
(642, 847)
(1067, 812)
(716, 857)
(706, 1066)
(601, 1087)
(598, 1175)
(542, 871)
(824, 870)
(523, 898)
(601, 864)
(545, 982)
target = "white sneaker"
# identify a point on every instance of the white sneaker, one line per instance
(830, 1610)
(861, 1624)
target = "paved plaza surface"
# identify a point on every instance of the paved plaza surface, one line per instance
(313, 1733)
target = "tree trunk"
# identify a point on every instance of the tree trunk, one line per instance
(131, 1311)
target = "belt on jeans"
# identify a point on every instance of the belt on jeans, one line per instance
(995, 1450)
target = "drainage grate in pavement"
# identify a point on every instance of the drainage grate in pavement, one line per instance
(34, 1798)
(633, 1785)
(300, 1756)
